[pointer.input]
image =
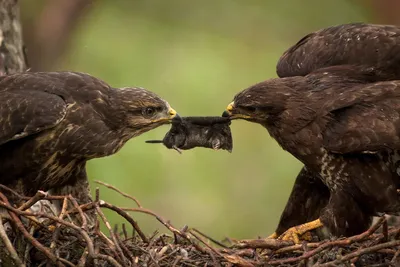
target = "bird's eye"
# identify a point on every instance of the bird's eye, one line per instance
(149, 111)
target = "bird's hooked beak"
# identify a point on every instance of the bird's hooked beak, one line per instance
(171, 115)
(233, 113)
(174, 116)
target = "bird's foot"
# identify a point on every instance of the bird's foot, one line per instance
(273, 236)
(307, 236)
(301, 231)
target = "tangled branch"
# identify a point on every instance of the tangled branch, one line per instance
(68, 239)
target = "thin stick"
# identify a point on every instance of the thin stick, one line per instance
(76, 206)
(82, 260)
(394, 259)
(66, 262)
(164, 222)
(24, 232)
(36, 214)
(127, 217)
(263, 243)
(124, 231)
(125, 249)
(109, 259)
(9, 246)
(38, 196)
(296, 247)
(57, 230)
(119, 191)
(385, 231)
(89, 243)
(360, 252)
(115, 241)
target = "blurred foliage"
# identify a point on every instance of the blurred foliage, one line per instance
(198, 55)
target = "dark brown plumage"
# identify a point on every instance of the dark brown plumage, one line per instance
(341, 132)
(346, 56)
(334, 46)
(348, 44)
(51, 123)
(190, 132)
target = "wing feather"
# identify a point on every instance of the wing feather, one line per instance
(368, 121)
(348, 44)
(23, 113)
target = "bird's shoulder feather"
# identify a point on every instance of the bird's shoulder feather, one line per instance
(364, 118)
(28, 112)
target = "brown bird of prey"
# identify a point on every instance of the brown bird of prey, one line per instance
(362, 54)
(334, 46)
(51, 123)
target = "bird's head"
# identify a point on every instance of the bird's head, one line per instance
(141, 110)
(261, 103)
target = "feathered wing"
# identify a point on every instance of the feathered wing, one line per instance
(23, 113)
(349, 44)
(367, 123)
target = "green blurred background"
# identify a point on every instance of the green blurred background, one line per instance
(197, 55)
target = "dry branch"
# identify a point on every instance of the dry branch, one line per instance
(65, 243)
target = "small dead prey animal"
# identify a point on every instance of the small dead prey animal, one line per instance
(190, 132)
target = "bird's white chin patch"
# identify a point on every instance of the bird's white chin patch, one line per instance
(161, 121)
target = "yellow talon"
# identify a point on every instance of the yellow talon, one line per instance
(307, 236)
(295, 232)
(273, 236)
(51, 228)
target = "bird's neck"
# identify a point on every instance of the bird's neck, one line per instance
(292, 128)
(295, 113)
(111, 112)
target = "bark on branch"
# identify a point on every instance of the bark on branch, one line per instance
(11, 46)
